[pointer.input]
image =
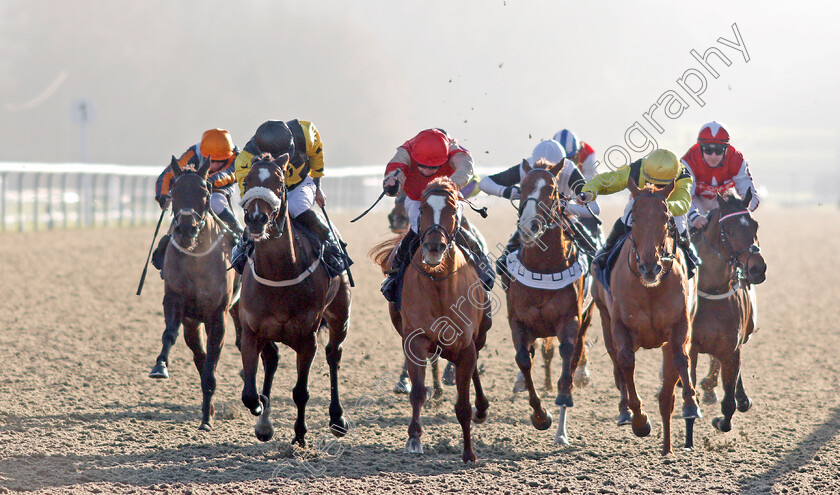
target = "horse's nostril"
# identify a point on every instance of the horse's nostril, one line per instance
(657, 269)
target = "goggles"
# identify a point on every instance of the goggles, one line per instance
(713, 149)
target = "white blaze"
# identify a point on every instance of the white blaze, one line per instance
(530, 211)
(264, 174)
(437, 203)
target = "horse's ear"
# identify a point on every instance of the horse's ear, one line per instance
(281, 161)
(557, 167)
(526, 166)
(203, 167)
(666, 191)
(176, 169)
(633, 187)
(747, 199)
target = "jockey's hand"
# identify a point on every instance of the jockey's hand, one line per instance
(164, 201)
(391, 184)
(319, 197)
(511, 192)
(699, 222)
(585, 197)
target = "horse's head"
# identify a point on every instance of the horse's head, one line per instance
(736, 232)
(264, 200)
(539, 199)
(439, 219)
(651, 219)
(190, 201)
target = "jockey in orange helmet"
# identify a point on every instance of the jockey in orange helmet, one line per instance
(217, 146)
(430, 154)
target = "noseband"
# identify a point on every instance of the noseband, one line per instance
(275, 199)
(738, 269)
(201, 217)
(672, 232)
(436, 227)
(555, 209)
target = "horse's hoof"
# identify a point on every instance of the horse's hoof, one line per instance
(744, 405)
(469, 456)
(582, 378)
(477, 417)
(519, 383)
(159, 371)
(710, 397)
(205, 426)
(437, 393)
(449, 375)
(691, 412)
(544, 424)
(413, 446)
(340, 427)
(642, 431)
(561, 440)
(264, 433)
(564, 400)
(403, 385)
(625, 418)
(429, 394)
(299, 441)
(721, 424)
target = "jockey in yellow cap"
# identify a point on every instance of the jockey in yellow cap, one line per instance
(660, 167)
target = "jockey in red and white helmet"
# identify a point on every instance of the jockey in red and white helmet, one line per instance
(577, 151)
(717, 167)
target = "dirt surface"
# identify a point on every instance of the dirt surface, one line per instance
(78, 413)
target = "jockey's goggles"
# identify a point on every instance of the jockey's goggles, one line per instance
(429, 167)
(713, 149)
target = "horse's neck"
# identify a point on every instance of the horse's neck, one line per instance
(551, 252)
(277, 257)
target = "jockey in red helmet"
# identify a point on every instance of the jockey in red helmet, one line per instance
(716, 166)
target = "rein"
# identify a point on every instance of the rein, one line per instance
(450, 241)
(672, 233)
(737, 275)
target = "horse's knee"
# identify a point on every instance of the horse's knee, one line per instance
(523, 358)
(300, 394)
(626, 359)
(333, 352)
(567, 349)
(250, 400)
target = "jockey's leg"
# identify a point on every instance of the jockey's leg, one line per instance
(512, 245)
(398, 219)
(465, 239)
(618, 230)
(392, 285)
(333, 255)
(684, 242)
(160, 252)
(220, 206)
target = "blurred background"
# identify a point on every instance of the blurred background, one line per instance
(133, 82)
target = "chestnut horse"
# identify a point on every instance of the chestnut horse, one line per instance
(287, 296)
(198, 288)
(554, 310)
(726, 313)
(651, 305)
(445, 311)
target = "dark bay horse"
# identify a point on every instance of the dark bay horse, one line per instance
(726, 313)
(555, 310)
(198, 288)
(445, 311)
(287, 296)
(651, 305)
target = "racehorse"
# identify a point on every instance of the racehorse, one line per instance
(651, 305)
(445, 311)
(287, 296)
(198, 288)
(553, 310)
(726, 310)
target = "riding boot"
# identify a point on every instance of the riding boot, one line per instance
(397, 219)
(585, 239)
(160, 252)
(465, 239)
(618, 230)
(692, 261)
(512, 245)
(241, 251)
(232, 223)
(392, 285)
(333, 257)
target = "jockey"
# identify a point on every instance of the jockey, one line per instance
(430, 154)
(216, 145)
(660, 167)
(577, 151)
(570, 180)
(399, 221)
(301, 141)
(716, 166)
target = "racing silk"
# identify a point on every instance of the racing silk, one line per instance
(570, 181)
(459, 168)
(308, 158)
(734, 171)
(221, 177)
(586, 160)
(612, 182)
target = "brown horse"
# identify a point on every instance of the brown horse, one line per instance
(651, 305)
(551, 311)
(198, 288)
(287, 296)
(726, 312)
(445, 311)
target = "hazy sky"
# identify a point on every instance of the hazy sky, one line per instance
(498, 75)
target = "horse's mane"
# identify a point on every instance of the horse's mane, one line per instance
(441, 184)
(730, 201)
(263, 157)
(543, 163)
(382, 251)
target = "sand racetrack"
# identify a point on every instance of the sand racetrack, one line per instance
(78, 413)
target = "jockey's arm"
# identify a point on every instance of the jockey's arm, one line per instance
(497, 184)
(607, 183)
(242, 165)
(743, 183)
(462, 163)
(679, 201)
(314, 149)
(572, 180)
(223, 177)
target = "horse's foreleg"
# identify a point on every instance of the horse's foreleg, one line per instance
(270, 357)
(215, 340)
(338, 332)
(680, 338)
(741, 398)
(300, 394)
(437, 386)
(192, 337)
(416, 353)
(731, 371)
(709, 383)
(237, 325)
(251, 347)
(547, 349)
(541, 419)
(666, 396)
(481, 402)
(624, 416)
(465, 369)
(570, 349)
(626, 358)
(173, 312)
(581, 363)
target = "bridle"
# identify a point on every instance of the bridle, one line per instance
(201, 217)
(555, 208)
(672, 232)
(436, 227)
(278, 211)
(739, 269)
